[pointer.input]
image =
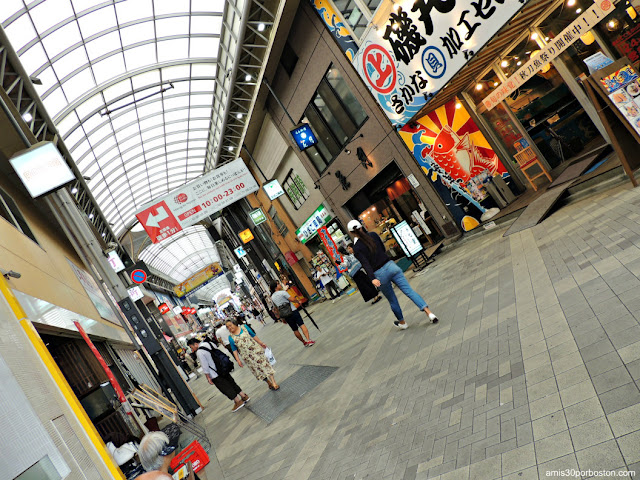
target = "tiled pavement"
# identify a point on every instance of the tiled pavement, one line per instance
(534, 366)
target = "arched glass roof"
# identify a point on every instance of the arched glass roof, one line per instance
(184, 254)
(130, 85)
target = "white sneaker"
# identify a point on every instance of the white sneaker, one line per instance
(433, 318)
(401, 326)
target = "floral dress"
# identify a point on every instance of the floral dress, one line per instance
(252, 354)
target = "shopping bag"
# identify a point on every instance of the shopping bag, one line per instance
(269, 354)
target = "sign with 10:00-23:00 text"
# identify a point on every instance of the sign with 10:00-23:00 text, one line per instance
(421, 45)
(196, 200)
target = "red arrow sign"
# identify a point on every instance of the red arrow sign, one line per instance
(159, 222)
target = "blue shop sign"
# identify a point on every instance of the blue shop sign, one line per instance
(303, 136)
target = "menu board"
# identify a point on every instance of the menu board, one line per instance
(407, 239)
(623, 89)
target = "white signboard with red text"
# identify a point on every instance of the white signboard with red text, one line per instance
(421, 45)
(196, 200)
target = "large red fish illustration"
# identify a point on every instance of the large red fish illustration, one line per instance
(459, 157)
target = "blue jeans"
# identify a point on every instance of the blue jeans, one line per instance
(390, 273)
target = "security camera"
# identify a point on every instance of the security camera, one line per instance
(111, 246)
(10, 273)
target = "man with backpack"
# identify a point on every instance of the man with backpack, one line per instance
(217, 367)
(283, 305)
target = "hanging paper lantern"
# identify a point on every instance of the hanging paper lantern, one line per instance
(632, 12)
(588, 38)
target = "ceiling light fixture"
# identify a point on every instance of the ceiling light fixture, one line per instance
(247, 78)
(239, 116)
(458, 106)
(571, 3)
(261, 27)
(534, 36)
(27, 117)
(479, 86)
(504, 64)
(74, 190)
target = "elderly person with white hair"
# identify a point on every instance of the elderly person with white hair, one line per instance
(156, 451)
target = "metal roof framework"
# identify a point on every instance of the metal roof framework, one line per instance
(146, 94)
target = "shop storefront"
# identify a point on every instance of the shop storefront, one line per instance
(388, 199)
(323, 217)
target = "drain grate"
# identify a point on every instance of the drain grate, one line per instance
(270, 405)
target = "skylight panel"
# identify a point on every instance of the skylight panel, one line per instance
(130, 142)
(79, 152)
(127, 132)
(33, 59)
(21, 31)
(103, 44)
(167, 27)
(82, 5)
(61, 39)
(205, 25)
(151, 145)
(204, 47)
(131, 153)
(174, 73)
(48, 79)
(180, 114)
(198, 124)
(50, 13)
(203, 69)
(154, 107)
(150, 122)
(105, 146)
(98, 21)
(216, 6)
(55, 102)
(153, 133)
(173, 49)
(70, 62)
(144, 79)
(176, 102)
(177, 136)
(140, 56)
(123, 118)
(137, 33)
(66, 124)
(134, 10)
(78, 84)
(90, 105)
(109, 68)
(206, 86)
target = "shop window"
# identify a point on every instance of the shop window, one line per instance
(548, 110)
(354, 16)
(335, 115)
(11, 213)
(575, 55)
(280, 225)
(289, 59)
(296, 189)
(621, 30)
(498, 117)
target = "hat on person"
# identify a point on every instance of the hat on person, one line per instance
(354, 225)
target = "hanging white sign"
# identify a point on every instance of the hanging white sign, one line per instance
(196, 200)
(421, 45)
(556, 46)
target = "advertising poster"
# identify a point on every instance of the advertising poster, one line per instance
(451, 150)
(623, 89)
(196, 200)
(95, 294)
(199, 280)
